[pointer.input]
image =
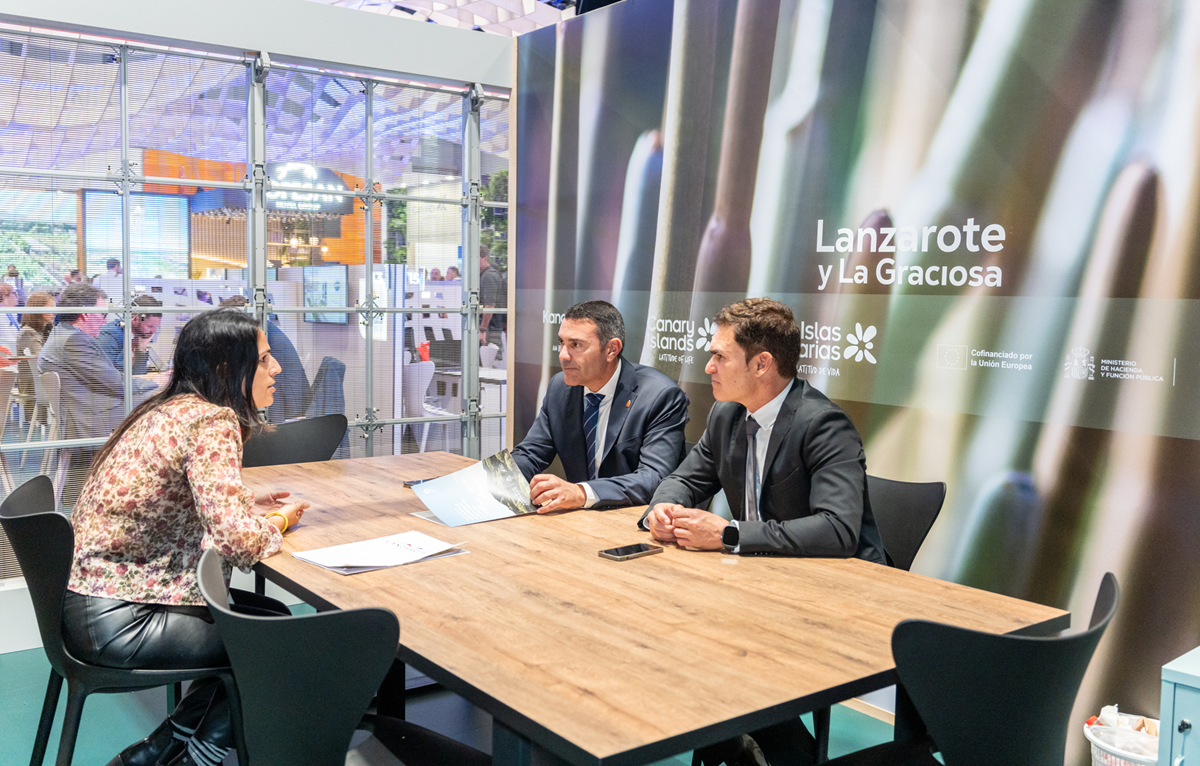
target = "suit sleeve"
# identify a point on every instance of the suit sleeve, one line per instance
(832, 454)
(695, 479)
(536, 450)
(96, 369)
(662, 443)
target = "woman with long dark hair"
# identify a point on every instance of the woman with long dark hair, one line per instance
(166, 487)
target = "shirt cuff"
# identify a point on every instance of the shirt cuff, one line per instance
(592, 497)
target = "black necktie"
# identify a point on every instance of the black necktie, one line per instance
(591, 419)
(751, 469)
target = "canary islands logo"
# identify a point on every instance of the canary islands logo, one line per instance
(704, 334)
(861, 342)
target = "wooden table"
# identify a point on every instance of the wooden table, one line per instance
(603, 662)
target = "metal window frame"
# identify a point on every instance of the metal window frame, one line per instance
(258, 67)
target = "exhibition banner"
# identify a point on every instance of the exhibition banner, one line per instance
(985, 218)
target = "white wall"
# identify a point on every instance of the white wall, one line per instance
(293, 30)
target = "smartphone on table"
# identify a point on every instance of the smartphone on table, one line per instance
(626, 552)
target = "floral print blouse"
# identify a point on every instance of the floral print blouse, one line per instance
(170, 489)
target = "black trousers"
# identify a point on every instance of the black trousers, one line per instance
(124, 634)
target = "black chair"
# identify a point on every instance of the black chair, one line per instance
(301, 685)
(963, 682)
(302, 441)
(45, 545)
(904, 513)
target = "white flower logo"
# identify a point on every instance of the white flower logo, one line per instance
(860, 343)
(704, 334)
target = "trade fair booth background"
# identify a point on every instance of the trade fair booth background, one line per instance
(370, 137)
(985, 218)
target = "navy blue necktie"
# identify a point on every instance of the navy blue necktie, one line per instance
(591, 419)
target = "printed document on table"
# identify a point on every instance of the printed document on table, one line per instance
(493, 488)
(379, 553)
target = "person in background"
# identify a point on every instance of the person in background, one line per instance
(452, 274)
(167, 486)
(13, 277)
(143, 328)
(617, 426)
(92, 390)
(34, 330)
(493, 293)
(9, 325)
(73, 276)
(292, 387)
(435, 274)
(110, 281)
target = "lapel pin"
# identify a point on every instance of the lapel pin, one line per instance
(628, 403)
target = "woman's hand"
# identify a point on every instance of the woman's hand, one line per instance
(270, 503)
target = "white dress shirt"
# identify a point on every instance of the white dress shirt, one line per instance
(607, 391)
(765, 416)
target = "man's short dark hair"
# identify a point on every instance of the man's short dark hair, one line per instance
(76, 296)
(148, 302)
(113, 262)
(762, 324)
(609, 322)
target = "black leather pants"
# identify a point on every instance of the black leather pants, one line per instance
(123, 634)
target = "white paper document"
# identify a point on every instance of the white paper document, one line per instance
(379, 553)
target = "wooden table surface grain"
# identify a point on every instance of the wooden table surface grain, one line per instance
(614, 662)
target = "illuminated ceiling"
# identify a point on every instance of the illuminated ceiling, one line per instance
(501, 17)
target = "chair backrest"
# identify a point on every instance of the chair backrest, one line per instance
(904, 512)
(303, 683)
(992, 699)
(48, 389)
(302, 441)
(415, 378)
(44, 544)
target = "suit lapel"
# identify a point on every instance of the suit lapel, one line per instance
(783, 424)
(573, 449)
(736, 494)
(622, 403)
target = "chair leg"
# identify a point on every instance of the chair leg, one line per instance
(76, 696)
(5, 477)
(53, 690)
(425, 436)
(29, 436)
(821, 724)
(174, 694)
(64, 463)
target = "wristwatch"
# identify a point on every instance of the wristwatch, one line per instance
(730, 538)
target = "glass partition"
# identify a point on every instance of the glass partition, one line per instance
(133, 170)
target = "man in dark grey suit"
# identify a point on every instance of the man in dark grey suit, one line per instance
(93, 389)
(807, 495)
(617, 426)
(793, 470)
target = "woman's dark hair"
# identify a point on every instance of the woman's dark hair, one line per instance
(215, 358)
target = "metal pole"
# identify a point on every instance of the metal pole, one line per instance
(472, 102)
(368, 318)
(256, 163)
(126, 173)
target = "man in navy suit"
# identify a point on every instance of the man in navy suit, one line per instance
(617, 426)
